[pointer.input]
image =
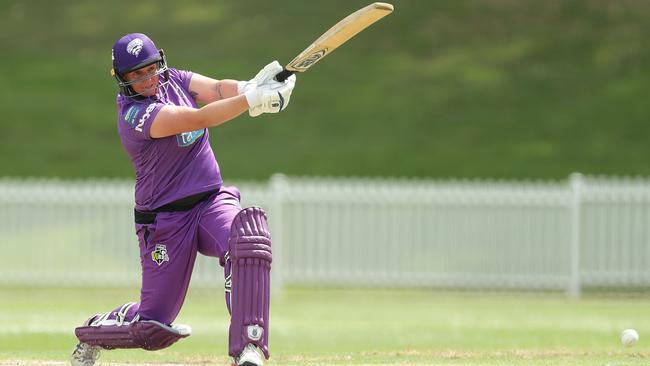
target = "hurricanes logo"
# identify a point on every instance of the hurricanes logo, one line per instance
(134, 47)
(159, 255)
(254, 332)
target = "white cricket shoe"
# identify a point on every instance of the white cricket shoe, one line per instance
(84, 355)
(250, 356)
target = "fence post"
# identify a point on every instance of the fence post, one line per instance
(279, 185)
(576, 184)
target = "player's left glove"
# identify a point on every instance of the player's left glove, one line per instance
(265, 99)
(283, 89)
(267, 73)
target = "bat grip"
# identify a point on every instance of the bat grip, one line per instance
(283, 75)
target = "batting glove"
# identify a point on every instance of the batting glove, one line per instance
(272, 97)
(263, 76)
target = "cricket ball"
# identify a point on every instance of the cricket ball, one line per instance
(629, 337)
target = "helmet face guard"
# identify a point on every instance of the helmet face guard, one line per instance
(125, 86)
(132, 52)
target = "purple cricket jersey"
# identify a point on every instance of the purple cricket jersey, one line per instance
(169, 168)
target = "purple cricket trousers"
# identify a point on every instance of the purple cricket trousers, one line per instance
(168, 249)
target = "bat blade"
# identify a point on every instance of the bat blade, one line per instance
(340, 33)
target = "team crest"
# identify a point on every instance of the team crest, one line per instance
(254, 332)
(134, 47)
(159, 255)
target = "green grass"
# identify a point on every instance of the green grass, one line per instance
(346, 326)
(468, 88)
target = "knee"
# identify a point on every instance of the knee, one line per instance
(250, 221)
(250, 236)
(152, 335)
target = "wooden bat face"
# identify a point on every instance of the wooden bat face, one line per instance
(340, 33)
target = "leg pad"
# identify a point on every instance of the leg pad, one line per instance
(250, 255)
(146, 334)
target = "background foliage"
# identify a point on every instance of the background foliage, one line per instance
(471, 88)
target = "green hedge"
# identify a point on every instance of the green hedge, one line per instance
(491, 88)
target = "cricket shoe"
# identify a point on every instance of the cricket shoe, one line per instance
(84, 355)
(250, 356)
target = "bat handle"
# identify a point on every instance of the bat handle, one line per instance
(283, 75)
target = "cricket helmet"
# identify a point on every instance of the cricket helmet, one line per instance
(132, 52)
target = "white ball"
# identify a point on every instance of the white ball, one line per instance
(629, 337)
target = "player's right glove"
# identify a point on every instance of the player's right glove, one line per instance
(270, 97)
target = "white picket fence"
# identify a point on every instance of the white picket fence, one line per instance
(561, 235)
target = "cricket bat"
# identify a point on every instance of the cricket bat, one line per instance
(340, 33)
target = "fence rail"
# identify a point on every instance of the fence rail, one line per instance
(562, 235)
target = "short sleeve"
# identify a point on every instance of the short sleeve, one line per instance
(135, 119)
(184, 77)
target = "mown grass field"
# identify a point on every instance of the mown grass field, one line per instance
(351, 327)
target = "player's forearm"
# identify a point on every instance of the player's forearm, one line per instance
(220, 111)
(227, 88)
(172, 120)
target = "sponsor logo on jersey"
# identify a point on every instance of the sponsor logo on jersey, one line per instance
(188, 138)
(131, 113)
(143, 119)
(159, 255)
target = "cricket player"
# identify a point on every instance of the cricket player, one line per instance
(181, 206)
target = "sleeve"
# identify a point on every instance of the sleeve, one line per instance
(136, 119)
(183, 76)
